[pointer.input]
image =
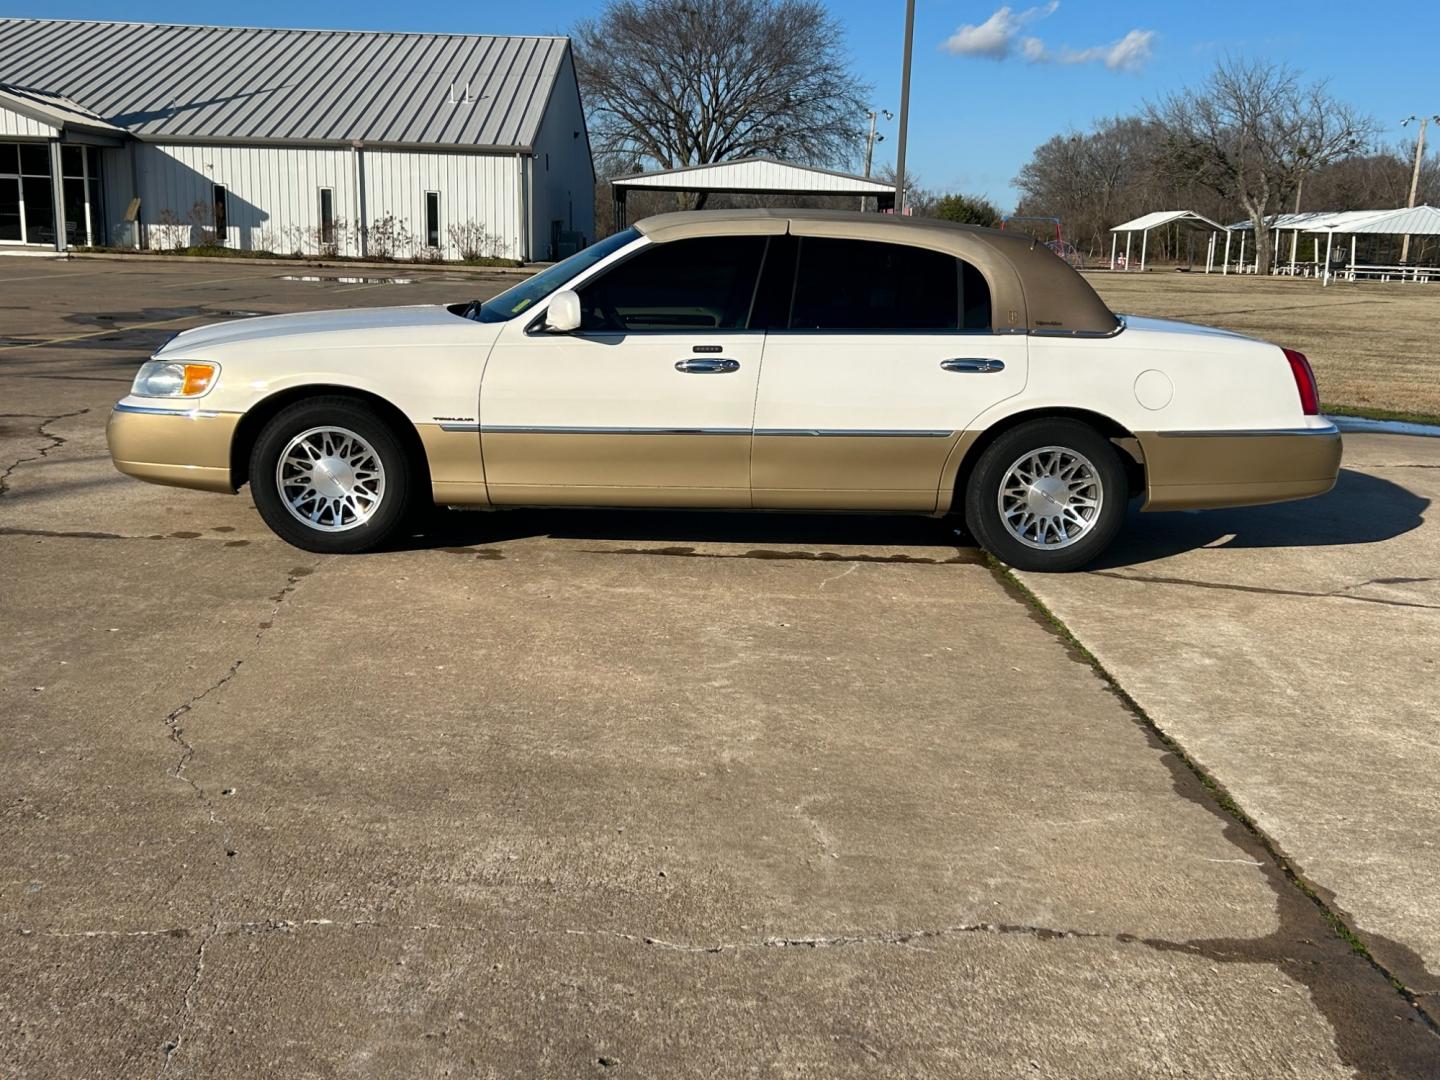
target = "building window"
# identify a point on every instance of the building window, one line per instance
(432, 219)
(222, 217)
(327, 217)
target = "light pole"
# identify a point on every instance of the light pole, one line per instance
(874, 137)
(1414, 176)
(904, 108)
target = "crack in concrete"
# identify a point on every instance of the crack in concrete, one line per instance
(187, 1007)
(217, 928)
(56, 441)
(176, 732)
(807, 942)
(1339, 594)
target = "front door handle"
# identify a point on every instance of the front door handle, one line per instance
(975, 365)
(707, 365)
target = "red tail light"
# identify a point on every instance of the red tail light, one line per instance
(1304, 382)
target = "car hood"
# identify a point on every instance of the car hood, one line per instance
(347, 326)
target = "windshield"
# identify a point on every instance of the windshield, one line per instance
(528, 293)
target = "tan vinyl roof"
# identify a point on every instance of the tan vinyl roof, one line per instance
(1031, 288)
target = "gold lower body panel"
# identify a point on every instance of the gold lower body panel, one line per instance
(1193, 472)
(849, 472)
(620, 469)
(181, 450)
(457, 469)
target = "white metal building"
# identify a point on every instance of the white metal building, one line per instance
(355, 143)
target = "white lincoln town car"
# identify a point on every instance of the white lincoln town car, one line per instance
(766, 359)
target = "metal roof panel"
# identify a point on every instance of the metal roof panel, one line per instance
(162, 81)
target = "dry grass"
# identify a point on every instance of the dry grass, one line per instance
(1373, 346)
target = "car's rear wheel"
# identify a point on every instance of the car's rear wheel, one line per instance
(329, 475)
(1048, 495)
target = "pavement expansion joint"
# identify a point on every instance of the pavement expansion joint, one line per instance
(1337, 594)
(1218, 799)
(56, 441)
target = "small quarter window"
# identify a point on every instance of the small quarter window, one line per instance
(432, 219)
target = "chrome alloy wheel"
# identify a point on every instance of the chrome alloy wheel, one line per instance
(330, 479)
(1050, 498)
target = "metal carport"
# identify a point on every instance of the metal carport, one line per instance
(1186, 219)
(752, 176)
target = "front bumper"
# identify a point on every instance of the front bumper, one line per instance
(1192, 470)
(180, 447)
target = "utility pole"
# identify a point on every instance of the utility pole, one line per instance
(1414, 176)
(874, 137)
(1295, 236)
(904, 108)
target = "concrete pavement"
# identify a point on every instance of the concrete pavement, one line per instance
(628, 794)
(1295, 652)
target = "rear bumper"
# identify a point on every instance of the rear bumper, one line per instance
(1191, 470)
(182, 448)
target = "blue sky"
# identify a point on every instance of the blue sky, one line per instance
(982, 98)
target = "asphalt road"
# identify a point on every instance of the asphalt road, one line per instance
(572, 794)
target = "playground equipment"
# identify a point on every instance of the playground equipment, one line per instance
(1059, 245)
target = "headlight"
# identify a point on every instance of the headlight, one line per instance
(175, 379)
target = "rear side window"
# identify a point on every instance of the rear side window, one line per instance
(703, 284)
(860, 285)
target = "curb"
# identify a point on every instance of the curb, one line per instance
(396, 268)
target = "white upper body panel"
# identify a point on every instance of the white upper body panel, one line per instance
(1153, 375)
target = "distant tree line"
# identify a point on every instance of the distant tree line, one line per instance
(1251, 142)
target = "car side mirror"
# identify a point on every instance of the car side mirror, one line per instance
(563, 314)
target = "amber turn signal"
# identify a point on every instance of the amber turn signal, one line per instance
(198, 378)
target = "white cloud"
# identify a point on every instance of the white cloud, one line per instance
(1130, 53)
(995, 37)
(1000, 36)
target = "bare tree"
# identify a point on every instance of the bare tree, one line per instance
(671, 83)
(1252, 133)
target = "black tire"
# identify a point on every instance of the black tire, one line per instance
(331, 535)
(982, 495)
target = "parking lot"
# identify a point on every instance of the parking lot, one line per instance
(682, 794)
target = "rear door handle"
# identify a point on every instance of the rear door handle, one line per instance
(707, 365)
(975, 365)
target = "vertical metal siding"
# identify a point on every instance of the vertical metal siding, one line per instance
(274, 193)
(14, 123)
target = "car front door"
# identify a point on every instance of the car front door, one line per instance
(878, 357)
(649, 403)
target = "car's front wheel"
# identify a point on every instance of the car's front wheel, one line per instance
(1047, 495)
(329, 475)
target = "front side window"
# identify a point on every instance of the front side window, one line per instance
(703, 284)
(862, 285)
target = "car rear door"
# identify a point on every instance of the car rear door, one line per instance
(649, 403)
(878, 357)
